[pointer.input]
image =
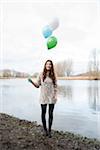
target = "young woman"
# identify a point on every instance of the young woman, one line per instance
(48, 94)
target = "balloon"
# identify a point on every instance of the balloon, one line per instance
(54, 24)
(52, 42)
(47, 31)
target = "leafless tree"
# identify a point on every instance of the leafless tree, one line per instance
(59, 69)
(93, 64)
(68, 65)
(64, 68)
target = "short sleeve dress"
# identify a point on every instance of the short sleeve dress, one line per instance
(48, 91)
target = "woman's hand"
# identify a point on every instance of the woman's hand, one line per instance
(33, 83)
(30, 80)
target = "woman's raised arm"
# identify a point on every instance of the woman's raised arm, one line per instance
(33, 83)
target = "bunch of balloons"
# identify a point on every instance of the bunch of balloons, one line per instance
(47, 32)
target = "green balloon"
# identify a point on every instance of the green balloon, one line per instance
(51, 42)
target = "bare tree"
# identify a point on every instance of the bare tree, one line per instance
(64, 68)
(59, 69)
(93, 64)
(68, 65)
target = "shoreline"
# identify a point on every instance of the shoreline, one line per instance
(60, 78)
(18, 134)
(78, 78)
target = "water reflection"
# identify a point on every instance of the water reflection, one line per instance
(72, 110)
(65, 91)
(94, 95)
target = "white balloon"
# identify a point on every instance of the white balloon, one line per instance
(54, 24)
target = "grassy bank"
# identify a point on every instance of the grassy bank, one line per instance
(17, 134)
(79, 78)
(60, 78)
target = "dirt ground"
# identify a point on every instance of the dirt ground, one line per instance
(17, 134)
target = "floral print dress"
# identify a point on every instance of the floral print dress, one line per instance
(48, 92)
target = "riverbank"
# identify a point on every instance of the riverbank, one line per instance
(78, 78)
(17, 134)
(60, 78)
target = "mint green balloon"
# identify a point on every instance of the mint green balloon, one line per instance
(51, 42)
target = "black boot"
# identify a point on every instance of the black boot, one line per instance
(45, 132)
(49, 134)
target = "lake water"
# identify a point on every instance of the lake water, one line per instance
(77, 109)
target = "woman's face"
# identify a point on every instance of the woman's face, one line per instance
(48, 65)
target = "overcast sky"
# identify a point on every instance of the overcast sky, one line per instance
(23, 46)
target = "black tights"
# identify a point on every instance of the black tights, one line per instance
(43, 114)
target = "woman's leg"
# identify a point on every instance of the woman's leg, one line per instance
(43, 115)
(51, 108)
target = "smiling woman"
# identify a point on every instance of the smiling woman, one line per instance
(48, 95)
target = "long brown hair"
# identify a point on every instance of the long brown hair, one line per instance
(51, 73)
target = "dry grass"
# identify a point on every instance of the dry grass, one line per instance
(78, 78)
(63, 78)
